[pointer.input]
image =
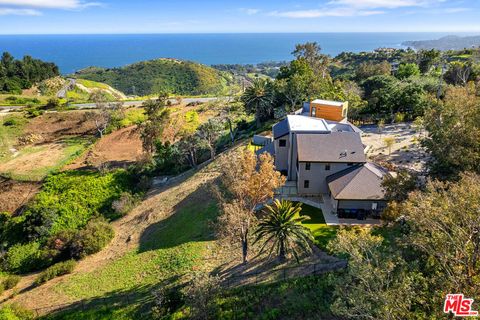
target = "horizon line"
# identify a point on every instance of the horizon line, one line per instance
(239, 33)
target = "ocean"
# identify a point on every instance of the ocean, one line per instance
(74, 52)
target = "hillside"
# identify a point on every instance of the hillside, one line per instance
(151, 77)
(446, 43)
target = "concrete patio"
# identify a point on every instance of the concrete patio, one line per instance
(322, 202)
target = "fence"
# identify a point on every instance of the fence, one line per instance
(251, 278)
(282, 274)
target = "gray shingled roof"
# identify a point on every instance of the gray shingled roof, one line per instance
(331, 147)
(361, 182)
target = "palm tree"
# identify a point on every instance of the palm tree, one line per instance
(283, 231)
(258, 98)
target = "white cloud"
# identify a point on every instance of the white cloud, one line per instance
(455, 10)
(387, 4)
(250, 11)
(335, 12)
(19, 12)
(49, 4)
(350, 8)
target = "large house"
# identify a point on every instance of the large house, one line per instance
(324, 157)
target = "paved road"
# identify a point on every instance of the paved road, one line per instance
(139, 103)
(125, 103)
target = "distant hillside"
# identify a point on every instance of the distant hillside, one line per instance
(446, 43)
(151, 77)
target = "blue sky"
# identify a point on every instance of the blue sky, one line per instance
(220, 16)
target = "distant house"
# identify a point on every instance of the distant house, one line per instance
(326, 159)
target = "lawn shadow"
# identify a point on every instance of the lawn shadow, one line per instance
(190, 222)
(139, 300)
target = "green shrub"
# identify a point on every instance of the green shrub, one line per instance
(124, 204)
(10, 122)
(11, 282)
(399, 117)
(59, 269)
(96, 235)
(70, 199)
(23, 258)
(15, 312)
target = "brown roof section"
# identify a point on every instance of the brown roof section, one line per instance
(361, 182)
(331, 147)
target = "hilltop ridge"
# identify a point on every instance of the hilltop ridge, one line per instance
(150, 77)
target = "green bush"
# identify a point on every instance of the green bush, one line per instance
(96, 235)
(70, 199)
(10, 122)
(125, 203)
(15, 312)
(59, 269)
(23, 258)
(11, 282)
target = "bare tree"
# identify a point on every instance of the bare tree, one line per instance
(209, 132)
(247, 184)
(104, 116)
(200, 293)
(188, 146)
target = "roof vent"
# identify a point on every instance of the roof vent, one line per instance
(343, 154)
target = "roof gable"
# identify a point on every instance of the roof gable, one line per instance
(330, 147)
(362, 182)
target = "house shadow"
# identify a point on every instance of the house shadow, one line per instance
(190, 221)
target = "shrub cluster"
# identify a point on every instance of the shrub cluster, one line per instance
(67, 220)
(10, 282)
(59, 269)
(15, 312)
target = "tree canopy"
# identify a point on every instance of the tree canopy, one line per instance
(16, 75)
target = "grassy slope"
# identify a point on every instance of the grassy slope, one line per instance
(171, 250)
(177, 247)
(10, 134)
(174, 248)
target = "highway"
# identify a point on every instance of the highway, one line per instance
(125, 103)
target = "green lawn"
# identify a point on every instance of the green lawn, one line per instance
(321, 231)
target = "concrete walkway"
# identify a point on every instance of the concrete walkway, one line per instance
(316, 202)
(327, 209)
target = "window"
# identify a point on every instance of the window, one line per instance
(327, 167)
(282, 143)
(314, 112)
(306, 184)
(307, 165)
